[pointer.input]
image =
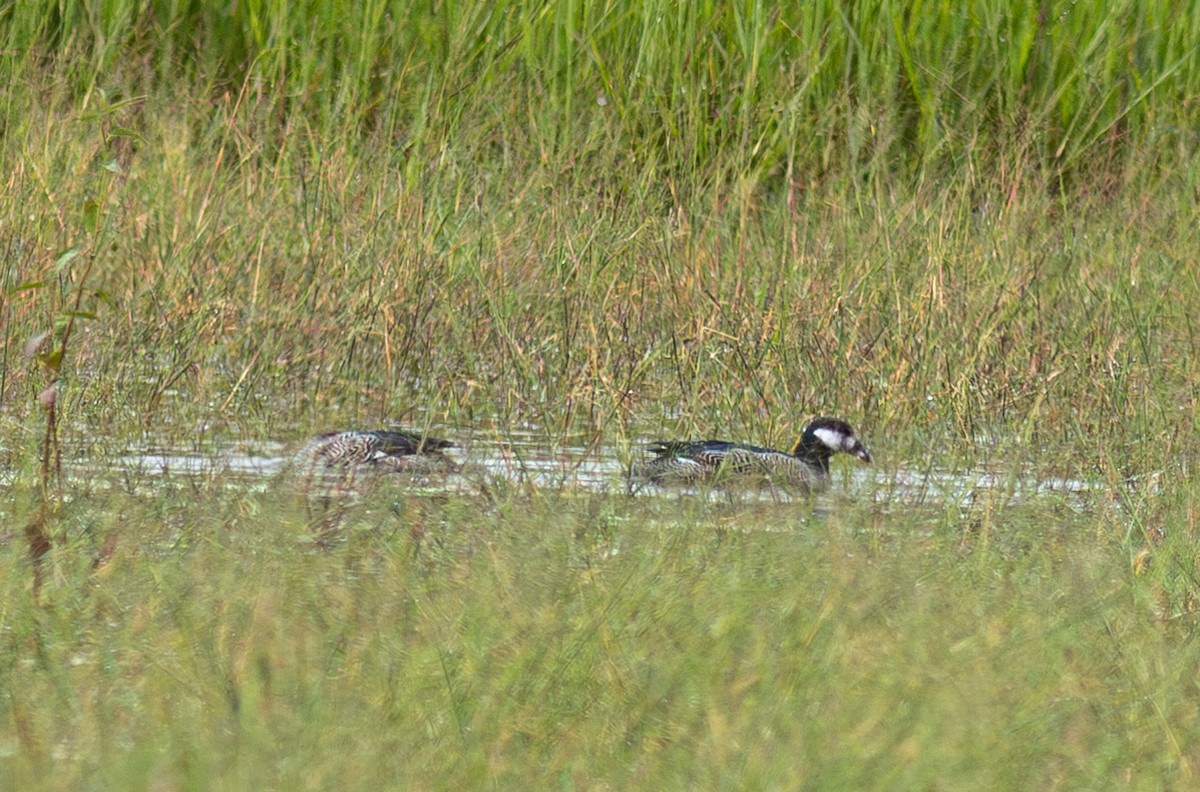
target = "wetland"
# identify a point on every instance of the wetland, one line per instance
(554, 235)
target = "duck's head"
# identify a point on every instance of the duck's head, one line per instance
(824, 437)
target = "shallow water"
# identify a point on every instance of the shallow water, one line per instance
(524, 460)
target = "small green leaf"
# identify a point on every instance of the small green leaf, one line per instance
(82, 314)
(26, 286)
(117, 132)
(91, 215)
(112, 166)
(52, 359)
(65, 257)
(105, 298)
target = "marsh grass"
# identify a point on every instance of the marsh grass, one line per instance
(971, 230)
(585, 640)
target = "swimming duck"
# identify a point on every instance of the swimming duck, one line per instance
(389, 451)
(805, 467)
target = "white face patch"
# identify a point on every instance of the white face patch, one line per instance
(831, 438)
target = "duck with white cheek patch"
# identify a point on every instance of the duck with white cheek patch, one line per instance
(720, 462)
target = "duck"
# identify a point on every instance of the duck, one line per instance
(381, 450)
(711, 462)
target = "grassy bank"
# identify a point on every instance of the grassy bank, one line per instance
(971, 231)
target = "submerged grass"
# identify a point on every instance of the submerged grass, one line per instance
(969, 230)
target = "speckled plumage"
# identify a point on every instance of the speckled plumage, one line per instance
(712, 462)
(382, 451)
